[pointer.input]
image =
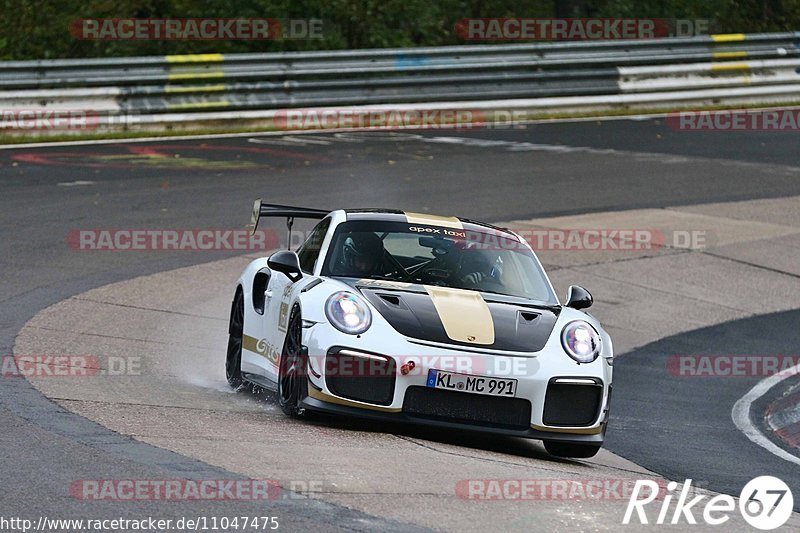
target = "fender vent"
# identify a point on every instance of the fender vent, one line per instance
(260, 281)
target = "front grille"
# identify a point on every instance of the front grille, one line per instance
(461, 407)
(367, 379)
(572, 405)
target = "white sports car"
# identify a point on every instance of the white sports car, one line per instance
(421, 319)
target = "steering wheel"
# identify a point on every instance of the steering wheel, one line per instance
(436, 276)
(486, 283)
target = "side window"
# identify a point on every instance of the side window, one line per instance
(309, 251)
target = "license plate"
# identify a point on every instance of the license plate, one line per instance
(438, 379)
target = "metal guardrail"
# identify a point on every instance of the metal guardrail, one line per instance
(213, 87)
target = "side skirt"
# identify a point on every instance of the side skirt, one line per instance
(260, 381)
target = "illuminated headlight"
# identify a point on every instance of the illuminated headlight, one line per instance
(348, 313)
(580, 341)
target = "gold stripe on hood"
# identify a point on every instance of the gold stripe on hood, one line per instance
(464, 314)
(434, 220)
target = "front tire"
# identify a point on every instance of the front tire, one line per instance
(292, 369)
(233, 360)
(570, 449)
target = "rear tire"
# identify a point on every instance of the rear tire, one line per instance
(570, 449)
(292, 369)
(233, 360)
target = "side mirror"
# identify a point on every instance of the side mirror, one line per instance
(287, 263)
(578, 297)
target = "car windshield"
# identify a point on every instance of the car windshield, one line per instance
(440, 256)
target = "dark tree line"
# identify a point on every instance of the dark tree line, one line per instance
(32, 29)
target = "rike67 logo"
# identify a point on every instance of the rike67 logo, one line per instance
(765, 503)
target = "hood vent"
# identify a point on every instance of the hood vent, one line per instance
(527, 317)
(393, 300)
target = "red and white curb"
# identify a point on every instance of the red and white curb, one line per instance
(783, 418)
(741, 415)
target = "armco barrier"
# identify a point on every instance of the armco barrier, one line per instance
(208, 91)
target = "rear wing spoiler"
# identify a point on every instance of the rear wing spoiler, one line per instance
(261, 209)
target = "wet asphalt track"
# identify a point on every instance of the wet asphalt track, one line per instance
(681, 427)
(210, 183)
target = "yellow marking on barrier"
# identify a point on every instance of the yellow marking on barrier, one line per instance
(195, 58)
(199, 105)
(195, 88)
(174, 76)
(727, 37)
(729, 66)
(729, 55)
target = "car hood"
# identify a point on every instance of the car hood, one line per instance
(461, 317)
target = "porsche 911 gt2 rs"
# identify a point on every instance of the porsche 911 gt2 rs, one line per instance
(421, 319)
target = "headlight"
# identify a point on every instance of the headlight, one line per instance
(348, 313)
(580, 341)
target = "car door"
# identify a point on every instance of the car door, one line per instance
(282, 293)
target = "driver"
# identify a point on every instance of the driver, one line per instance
(362, 254)
(480, 270)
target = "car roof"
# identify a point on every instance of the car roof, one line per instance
(396, 215)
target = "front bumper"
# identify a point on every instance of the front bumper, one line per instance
(535, 375)
(320, 402)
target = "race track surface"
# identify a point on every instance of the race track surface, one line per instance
(741, 187)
